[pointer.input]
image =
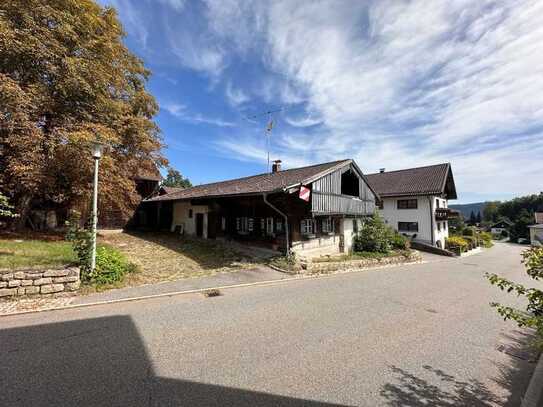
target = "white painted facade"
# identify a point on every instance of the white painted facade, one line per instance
(430, 230)
(184, 215)
(536, 235)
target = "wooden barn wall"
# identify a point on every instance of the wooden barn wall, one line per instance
(327, 197)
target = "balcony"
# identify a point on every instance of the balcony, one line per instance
(333, 204)
(446, 214)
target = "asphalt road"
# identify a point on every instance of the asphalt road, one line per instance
(417, 335)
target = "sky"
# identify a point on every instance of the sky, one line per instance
(392, 84)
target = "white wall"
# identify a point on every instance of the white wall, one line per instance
(181, 217)
(425, 205)
(536, 232)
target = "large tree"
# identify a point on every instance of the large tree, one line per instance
(66, 78)
(176, 179)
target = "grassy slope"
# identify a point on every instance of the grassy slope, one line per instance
(30, 253)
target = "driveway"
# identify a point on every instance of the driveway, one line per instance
(417, 335)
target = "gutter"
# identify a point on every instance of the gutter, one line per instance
(265, 196)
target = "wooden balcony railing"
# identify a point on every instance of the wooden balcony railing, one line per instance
(446, 214)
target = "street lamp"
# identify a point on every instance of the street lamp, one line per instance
(97, 149)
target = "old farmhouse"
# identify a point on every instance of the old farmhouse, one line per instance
(313, 210)
(414, 201)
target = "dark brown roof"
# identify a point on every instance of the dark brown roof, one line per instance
(256, 184)
(170, 190)
(430, 180)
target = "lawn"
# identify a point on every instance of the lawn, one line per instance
(167, 257)
(22, 253)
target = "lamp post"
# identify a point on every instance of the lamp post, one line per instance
(97, 149)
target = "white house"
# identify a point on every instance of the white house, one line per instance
(501, 226)
(536, 231)
(414, 201)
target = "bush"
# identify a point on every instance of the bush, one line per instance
(400, 242)
(456, 244)
(111, 266)
(533, 315)
(81, 239)
(485, 239)
(468, 232)
(472, 241)
(374, 236)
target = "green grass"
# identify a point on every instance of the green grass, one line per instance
(34, 253)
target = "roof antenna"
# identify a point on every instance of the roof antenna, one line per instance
(269, 128)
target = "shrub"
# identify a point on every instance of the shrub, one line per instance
(373, 236)
(485, 239)
(533, 315)
(111, 266)
(472, 241)
(456, 243)
(468, 232)
(81, 239)
(400, 242)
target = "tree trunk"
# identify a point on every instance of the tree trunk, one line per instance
(22, 209)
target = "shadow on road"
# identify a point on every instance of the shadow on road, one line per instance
(438, 388)
(103, 362)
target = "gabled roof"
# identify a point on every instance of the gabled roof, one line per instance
(256, 184)
(430, 180)
(170, 190)
(502, 221)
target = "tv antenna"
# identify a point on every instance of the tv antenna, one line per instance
(268, 131)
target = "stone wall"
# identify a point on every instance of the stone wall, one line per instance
(32, 282)
(318, 267)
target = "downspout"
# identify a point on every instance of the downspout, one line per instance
(265, 196)
(430, 200)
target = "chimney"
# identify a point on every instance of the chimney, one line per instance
(276, 166)
(381, 170)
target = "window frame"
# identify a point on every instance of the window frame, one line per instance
(307, 227)
(408, 203)
(410, 228)
(269, 226)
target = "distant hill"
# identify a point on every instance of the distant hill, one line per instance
(466, 209)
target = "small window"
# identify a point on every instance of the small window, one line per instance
(223, 223)
(242, 224)
(379, 203)
(445, 226)
(306, 226)
(408, 226)
(326, 225)
(437, 203)
(407, 204)
(278, 226)
(439, 226)
(250, 224)
(355, 226)
(190, 213)
(269, 226)
(238, 223)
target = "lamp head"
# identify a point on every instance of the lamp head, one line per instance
(97, 148)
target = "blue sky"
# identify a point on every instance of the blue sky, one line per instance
(391, 84)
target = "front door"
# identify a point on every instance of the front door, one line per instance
(200, 224)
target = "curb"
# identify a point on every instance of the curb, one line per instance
(298, 277)
(534, 393)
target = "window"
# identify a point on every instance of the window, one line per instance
(269, 226)
(306, 226)
(439, 226)
(242, 225)
(355, 226)
(190, 213)
(223, 223)
(379, 203)
(326, 225)
(445, 226)
(250, 224)
(350, 184)
(437, 203)
(278, 226)
(407, 204)
(408, 226)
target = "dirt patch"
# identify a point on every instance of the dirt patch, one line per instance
(167, 257)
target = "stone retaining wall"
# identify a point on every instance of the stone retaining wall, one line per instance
(45, 281)
(346, 265)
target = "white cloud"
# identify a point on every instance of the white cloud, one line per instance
(411, 83)
(181, 112)
(235, 96)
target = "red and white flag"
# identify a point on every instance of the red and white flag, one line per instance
(304, 193)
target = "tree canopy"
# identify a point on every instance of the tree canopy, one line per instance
(66, 78)
(175, 179)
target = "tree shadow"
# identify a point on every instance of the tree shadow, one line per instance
(103, 362)
(441, 389)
